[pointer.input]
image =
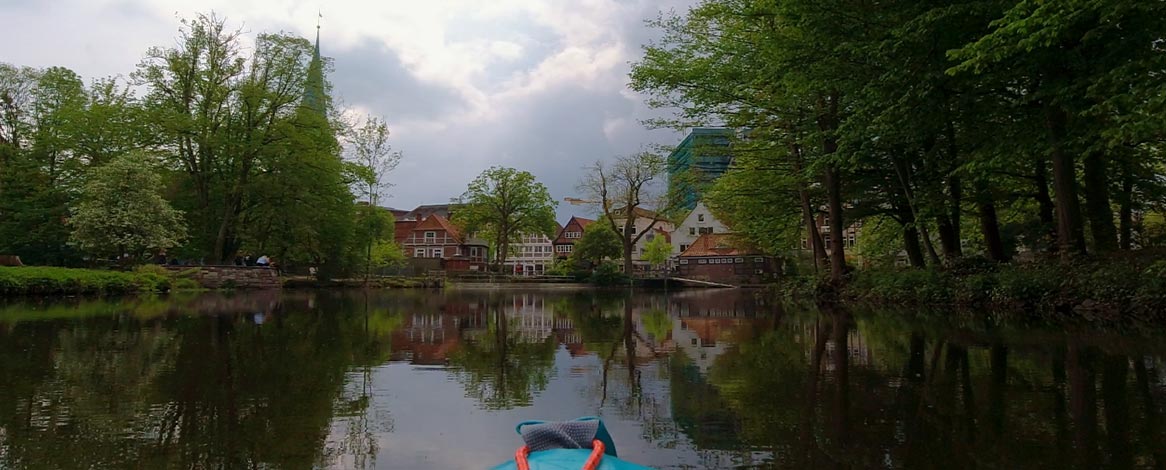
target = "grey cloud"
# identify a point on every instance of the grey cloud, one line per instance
(372, 75)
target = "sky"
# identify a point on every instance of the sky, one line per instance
(538, 85)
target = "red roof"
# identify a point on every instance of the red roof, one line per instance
(716, 244)
(437, 222)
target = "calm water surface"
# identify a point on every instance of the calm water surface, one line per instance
(437, 380)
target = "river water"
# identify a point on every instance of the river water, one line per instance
(414, 379)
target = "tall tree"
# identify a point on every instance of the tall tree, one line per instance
(374, 158)
(621, 190)
(502, 204)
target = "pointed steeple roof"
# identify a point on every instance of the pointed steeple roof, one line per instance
(314, 97)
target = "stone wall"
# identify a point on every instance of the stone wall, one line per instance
(238, 277)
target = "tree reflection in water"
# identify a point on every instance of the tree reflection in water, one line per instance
(713, 379)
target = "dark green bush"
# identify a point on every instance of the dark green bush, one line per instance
(608, 274)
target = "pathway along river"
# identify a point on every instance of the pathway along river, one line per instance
(437, 380)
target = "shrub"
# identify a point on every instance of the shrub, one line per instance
(66, 281)
(608, 274)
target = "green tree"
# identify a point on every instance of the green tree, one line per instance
(122, 210)
(370, 151)
(657, 251)
(502, 204)
(598, 243)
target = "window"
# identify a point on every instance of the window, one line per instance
(702, 261)
(704, 230)
(805, 244)
(683, 261)
(430, 236)
(739, 260)
(851, 240)
(573, 234)
(683, 248)
(419, 253)
(437, 252)
(692, 230)
(473, 251)
(700, 217)
(758, 260)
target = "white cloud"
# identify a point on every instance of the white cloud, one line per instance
(486, 70)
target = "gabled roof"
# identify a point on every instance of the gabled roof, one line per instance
(583, 223)
(423, 211)
(437, 222)
(716, 244)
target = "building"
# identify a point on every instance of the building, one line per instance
(424, 211)
(532, 254)
(643, 219)
(564, 242)
(699, 221)
(717, 258)
(849, 234)
(699, 159)
(434, 238)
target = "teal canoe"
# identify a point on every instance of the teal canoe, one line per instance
(581, 444)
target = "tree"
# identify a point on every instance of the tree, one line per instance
(374, 158)
(503, 204)
(620, 190)
(122, 210)
(598, 243)
(657, 251)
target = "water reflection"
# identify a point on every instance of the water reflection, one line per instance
(697, 379)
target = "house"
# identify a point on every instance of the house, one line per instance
(424, 211)
(849, 234)
(716, 257)
(564, 242)
(531, 254)
(643, 218)
(700, 221)
(436, 239)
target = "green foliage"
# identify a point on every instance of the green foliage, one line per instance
(608, 274)
(597, 243)
(122, 211)
(657, 251)
(502, 204)
(66, 281)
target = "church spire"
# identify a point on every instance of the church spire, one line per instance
(314, 97)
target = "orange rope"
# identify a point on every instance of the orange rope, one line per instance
(520, 458)
(596, 455)
(523, 453)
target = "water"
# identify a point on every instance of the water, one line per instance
(432, 380)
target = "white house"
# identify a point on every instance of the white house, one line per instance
(698, 222)
(531, 254)
(643, 218)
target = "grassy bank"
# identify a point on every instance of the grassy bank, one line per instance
(1129, 286)
(16, 281)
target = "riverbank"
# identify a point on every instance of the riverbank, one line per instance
(1119, 288)
(38, 280)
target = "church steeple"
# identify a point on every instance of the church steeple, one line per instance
(314, 97)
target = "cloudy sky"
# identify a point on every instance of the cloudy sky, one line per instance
(539, 85)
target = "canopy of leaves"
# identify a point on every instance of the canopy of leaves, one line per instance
(122, 210)
(501, 204)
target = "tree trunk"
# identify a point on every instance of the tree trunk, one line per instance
(834, 196)
(1125, 200)
(1045, 203)
(989, 223)
(813, 236)
(911, 239)
(1070, 231)
(911, 246)
(948, 238)
(828, 123)
(1097, 203)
